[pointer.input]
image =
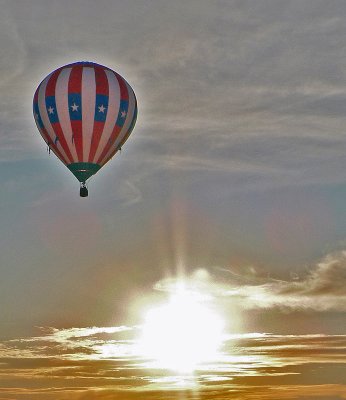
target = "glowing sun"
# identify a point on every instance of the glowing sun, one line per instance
(181, 334)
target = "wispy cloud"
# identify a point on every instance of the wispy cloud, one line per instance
(321, 288)
(255, 91)
(101, 362)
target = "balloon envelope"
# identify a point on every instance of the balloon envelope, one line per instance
(85, 112)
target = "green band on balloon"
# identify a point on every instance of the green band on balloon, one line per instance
(83, 170)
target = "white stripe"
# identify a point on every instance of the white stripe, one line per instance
(130, 113)
(61, 99)
(44, 115)
(112, 113)
(88, 108)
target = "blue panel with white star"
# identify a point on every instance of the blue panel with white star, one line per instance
(75, 106)
(51, 109)
(101, 107)
(123, 109)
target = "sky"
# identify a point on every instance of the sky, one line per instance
(232, 184)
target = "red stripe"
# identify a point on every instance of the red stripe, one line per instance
(48, 140)
(128, 133)
(102, 87)
(124, 95)
(110, 143)
(50, 88)
(109, 157)
(50, 91)
(36, 95)
(75, 86)
(75, 82)
(77, 131)
(60, 135)
(97, 133)
(101, 81)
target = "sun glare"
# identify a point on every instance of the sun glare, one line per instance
(182, 334)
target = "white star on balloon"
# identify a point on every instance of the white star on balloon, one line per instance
(74, 107)
(102, 108)
(51, 110)
(123, 114)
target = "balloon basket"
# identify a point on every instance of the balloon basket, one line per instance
(83, 191)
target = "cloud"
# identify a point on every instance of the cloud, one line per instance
(252, 92)
(251, 366)
(322, 288)
(13, 51)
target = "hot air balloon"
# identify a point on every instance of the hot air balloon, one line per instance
(85, 112)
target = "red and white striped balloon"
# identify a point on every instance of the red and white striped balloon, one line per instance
(85, 112)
